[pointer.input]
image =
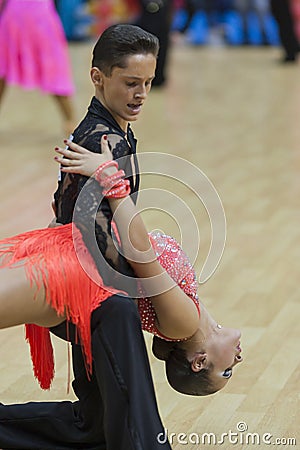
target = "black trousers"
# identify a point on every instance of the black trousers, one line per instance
(116, 408)
(282, 13)
(158, 23)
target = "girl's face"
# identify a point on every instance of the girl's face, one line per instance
(224, 352)
(124, 92)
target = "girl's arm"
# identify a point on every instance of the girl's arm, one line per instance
(177, 316)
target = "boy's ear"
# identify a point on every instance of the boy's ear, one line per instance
(96, 76)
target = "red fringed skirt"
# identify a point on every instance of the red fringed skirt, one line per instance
(53, 259)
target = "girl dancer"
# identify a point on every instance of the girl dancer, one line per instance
(199, 353)
(34, 53)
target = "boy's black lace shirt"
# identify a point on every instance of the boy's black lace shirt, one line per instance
(92, 219)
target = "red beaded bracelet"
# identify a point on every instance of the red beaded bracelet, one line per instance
(121, 190)
(111, 180)
(99, 170)
(115, 186)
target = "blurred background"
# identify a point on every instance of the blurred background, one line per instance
(226, 102)
(227, 22)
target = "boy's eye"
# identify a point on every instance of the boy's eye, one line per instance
(227, 373)
(134, 84)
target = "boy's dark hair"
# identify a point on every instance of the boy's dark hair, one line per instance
(118, 42)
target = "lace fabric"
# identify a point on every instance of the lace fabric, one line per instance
(92, 217)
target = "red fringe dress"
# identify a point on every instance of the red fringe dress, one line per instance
(52, 259)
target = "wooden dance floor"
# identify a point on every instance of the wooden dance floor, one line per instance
(233, 115)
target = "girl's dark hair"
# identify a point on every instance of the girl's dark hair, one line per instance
(178, 369)
(118, 42)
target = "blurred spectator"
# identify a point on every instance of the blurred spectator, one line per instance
(251, 10)
(281, 9)
(34, 53)
(156, 17)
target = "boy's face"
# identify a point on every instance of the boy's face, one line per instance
(124, 92)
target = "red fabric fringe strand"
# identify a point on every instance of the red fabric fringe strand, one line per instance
(50, 257)
(41, 351)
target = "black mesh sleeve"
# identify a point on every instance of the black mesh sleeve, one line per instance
(79, 199)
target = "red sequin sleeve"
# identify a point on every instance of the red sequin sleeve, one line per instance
(172, 258)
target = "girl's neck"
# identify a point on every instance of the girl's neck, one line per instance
(206, 326)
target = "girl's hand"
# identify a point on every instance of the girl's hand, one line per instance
(80, 160)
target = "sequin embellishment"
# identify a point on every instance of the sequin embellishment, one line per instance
(172, 258)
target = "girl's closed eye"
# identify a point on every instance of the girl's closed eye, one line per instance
(227, 373)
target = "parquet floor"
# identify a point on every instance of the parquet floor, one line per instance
(234, 115)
